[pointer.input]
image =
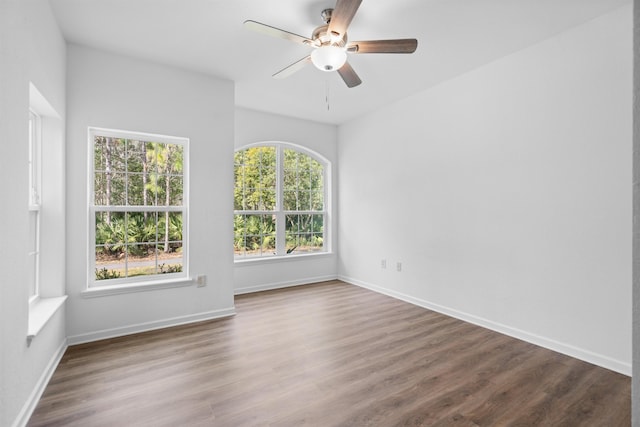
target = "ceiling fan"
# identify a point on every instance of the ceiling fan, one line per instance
(331, 45)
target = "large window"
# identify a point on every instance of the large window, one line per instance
(35, 162)
(137, 207)
(280, 202)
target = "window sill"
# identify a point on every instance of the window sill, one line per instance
(41, 311)
(101, 291)
(246, 262)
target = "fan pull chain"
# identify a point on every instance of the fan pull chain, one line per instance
(326, 96)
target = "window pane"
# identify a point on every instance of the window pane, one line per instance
(303, 181)
(254, 235)
(238, 158)
(138, 244)
(136, 156)
(238, 198)
(290, 179)
(317, 201)
(169, 231)
(108, 267)
(290, 200)
(135, 190)
(267, 157)
(110, 245)
(317, 178)
(304, 233)
(99, 153)
(109, 189)
(239, 235)
(176, 186)
(149, 234)
(291, 159)
(110, 232)
(138, 265)
(116, 154)
(160, 189)
(115, 189)
(251, 199)
(268, 199)
(171, 263)
(292, 232)
(100, 189)
(255, 179)
(304, 200)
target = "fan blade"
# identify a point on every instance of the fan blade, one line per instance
(276, 32)
(349, 75)
(384, 46)
(296, 66)
(342, 15)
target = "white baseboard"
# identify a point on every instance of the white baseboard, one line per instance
(150, 326)
(36, 393)
(285, 284)
(567, 349)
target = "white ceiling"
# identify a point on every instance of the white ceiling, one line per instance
(454, 37)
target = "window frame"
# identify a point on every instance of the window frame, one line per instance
(281, 214)
(35, 201)
(143, 282)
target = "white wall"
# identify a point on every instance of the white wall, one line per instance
(31, 50)
(116, 92)
(506, 194)
(254, 126)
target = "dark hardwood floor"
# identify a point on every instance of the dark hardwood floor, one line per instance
(330, 354)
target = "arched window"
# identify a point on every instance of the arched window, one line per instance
(280, 201)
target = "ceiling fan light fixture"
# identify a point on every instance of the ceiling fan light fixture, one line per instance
(329, 58)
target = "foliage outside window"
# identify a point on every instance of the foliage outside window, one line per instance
(33, 272)
(280, 202)
(137, 207)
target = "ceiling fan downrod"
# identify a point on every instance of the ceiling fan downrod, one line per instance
(326, 15)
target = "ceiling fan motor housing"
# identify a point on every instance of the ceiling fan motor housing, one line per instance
(323, 37)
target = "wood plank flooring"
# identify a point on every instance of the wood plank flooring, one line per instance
(330, 354)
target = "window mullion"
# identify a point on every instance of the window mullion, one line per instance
(281, 241)
(139, 208)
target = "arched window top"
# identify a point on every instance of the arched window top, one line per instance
(280, 200)
(288, 145)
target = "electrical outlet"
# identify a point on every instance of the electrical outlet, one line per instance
(399, 266)
(383, 263)
(201, 281)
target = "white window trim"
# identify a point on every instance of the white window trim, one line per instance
(139, 283)
(35, 160)
(256, 260)
(41, 310)
(35, 197)
(280, 214)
